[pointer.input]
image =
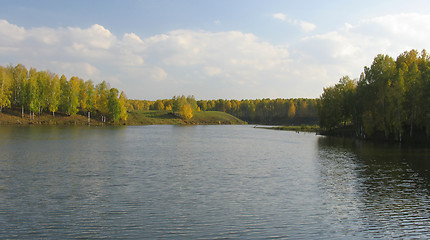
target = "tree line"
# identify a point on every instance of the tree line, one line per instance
(390, 100)
(262, 111)
(35, 91)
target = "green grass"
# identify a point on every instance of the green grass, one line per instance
(302, 128)
(215, 117)
(157, 117)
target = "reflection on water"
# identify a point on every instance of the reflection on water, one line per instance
(382, 186)
(206, 182)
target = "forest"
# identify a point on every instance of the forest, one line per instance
(262, 111)
(34, 92)
(389, 101)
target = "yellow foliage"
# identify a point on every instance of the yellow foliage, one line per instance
(291, 110)
(186, 111)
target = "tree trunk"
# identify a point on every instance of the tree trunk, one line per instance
(411, 130)
(22, 111)
(400, 124)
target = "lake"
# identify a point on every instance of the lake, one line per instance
(207, 182)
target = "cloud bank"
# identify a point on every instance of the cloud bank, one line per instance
(213, 65)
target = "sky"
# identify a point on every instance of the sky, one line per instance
(240, 49)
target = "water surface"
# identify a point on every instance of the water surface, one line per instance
(207, 182)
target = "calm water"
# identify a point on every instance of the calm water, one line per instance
(207, 182)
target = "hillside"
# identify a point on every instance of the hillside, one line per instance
(150, 117)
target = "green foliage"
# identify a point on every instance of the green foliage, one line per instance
(147, 117)
(102, 90)
(123, 102)
(264, 111)
(54, 94)
(390, 99)
(184, 106)
(33, 91)
(40, 91)
(5, 93)
(91, 97)
(336, 104)
(114, 105)
(73, 96)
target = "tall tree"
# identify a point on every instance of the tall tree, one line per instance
(54, 95)
(90, 105)
(19, 86)
(291, 109)
(114, 105)
(377, 80)
(65, 95)
(74, 89)
(5, 93)
(102, 90)
(33, 93)
(123, 105)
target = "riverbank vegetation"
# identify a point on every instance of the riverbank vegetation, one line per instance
(32, 95)
(154, 117)
(389, 101)
(302, 128)
(260, 111)
(37, 92)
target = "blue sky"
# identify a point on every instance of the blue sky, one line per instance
(210, 49)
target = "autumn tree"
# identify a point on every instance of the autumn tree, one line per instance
(90, 104)
(102, 90)
(54, 95)
(184, 107)
(65, 89)
(5, 93)
(123, 105)
(73, 96)
(33, 93)
(291, 109)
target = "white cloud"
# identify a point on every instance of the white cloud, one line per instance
(212, 65)
(305, 26)
(153, 67)
(212, 71)
(279, 16)
(345, 51)
(11, 33)
(158, 74)
(96, 36)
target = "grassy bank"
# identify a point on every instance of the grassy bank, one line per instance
(13, 117)
(152, 117)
